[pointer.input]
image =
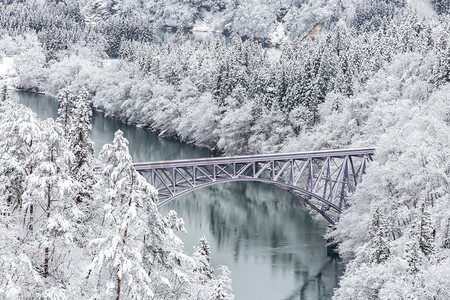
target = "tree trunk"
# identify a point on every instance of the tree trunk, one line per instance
(46, 258)
(30, 224)
(118, 288)
(46, 251)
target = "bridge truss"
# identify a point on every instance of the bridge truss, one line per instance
(322, 179)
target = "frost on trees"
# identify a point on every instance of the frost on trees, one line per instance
(202, 255)
(414, 257)
(19, 131)
(426, 232)
(19, 279)
(118, 266)
(138, 255)
(49, 190)
(82, 147)
(66, 101)
(378, 233)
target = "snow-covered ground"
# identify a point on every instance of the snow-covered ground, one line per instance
(8, 73)
(278, 36)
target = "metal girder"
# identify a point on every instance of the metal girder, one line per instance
(321, 179)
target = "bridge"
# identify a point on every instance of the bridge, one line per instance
(322, 179)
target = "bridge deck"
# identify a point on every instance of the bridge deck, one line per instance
(255, 158)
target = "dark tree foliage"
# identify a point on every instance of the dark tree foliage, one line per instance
(118, 29)
(426, 241)
(441, 6)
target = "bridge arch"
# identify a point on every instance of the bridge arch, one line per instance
(294, 190)
(320, 178)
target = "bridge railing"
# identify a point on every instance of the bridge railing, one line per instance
(142, 166)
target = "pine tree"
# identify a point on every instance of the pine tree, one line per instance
(378, 232)
(50, 187)
(426, 241)
(83, 147)
(19, 132)
(223, 286)
(413, 256)
(4, 95)
(446, 243)
(66, 101)
(202, 255)
(441, 6)
(119, 260)
(138, 255)
(442, 68)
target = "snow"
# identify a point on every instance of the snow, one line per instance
(278, 36)
(8, 72)
(203, 26)
(13, 293)
(387, 88)
(423, 8)
(273, 54)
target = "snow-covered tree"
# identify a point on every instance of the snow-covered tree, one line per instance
(378, 233)
(19, 278)
(119, 259)
(426, 231)
(49, 189)
(83, 147)
(442, 68)
(446, 242)
(19, 131)
(4, 95)
(414, 257)
(223, 286)
(202, 255)
(66, 101)
(137, 254)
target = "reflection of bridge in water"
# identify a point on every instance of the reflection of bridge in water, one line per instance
(321, 179)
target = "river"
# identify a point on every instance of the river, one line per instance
(266, 237)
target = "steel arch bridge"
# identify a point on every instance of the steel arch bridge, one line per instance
(321, 179)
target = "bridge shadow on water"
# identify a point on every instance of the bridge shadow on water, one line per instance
(267, 237)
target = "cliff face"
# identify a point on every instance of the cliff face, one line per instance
(316, 29)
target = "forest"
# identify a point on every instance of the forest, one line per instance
(376, 75)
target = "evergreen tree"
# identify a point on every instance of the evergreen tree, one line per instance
(442, 68)
(223, 286)
(441, 6)
(202, 255)
(426, 241)
(4, 95)
(446, 243)
(378, 233)
(49, 189)
(83, 147)
(414, 256)
(66, 101)
(119, 261)
(139, 255)
(19, 132)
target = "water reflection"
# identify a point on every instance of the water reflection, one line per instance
(264, 235)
